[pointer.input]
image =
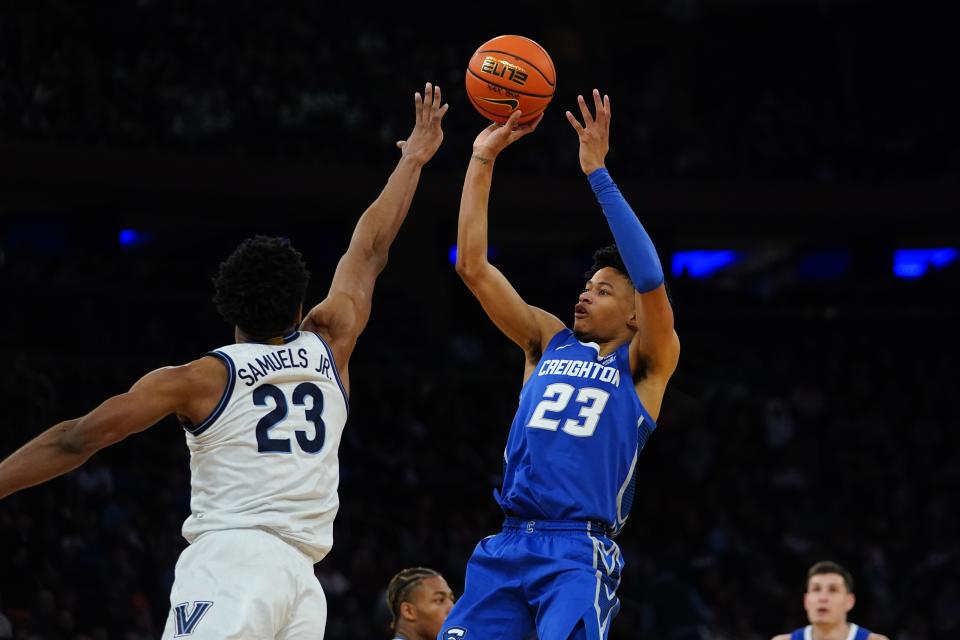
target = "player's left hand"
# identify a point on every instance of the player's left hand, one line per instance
(427, 134)
(594, 134)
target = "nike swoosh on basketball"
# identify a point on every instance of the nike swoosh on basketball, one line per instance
(513, 103)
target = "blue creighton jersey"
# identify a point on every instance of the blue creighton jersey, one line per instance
(573, 446)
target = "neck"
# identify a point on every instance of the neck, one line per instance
(240, 336)
(402, 631)
(835, 631)
(606, 348)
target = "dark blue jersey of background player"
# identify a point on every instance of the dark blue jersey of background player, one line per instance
(591, 397)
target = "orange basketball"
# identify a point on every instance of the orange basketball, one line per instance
(508, 73)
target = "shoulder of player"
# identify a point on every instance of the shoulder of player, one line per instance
(208, 371)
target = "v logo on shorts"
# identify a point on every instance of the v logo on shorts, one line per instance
(187, 616)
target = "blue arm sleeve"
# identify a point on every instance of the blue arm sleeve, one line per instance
(636, 248)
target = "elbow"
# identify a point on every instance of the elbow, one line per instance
(74, 440)
(82, 438)
(380, 261)
(377, 257)
(463, 269)
(468, 271)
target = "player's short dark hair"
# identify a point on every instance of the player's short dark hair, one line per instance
(401, 585)
(827, 566)
(608, 256)
(261, 285)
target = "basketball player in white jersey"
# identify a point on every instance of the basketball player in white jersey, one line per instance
(827, 600)
(263, 419)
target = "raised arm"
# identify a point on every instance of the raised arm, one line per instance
(343, 314)
(526, 325)
(191, 390)
(655, 349)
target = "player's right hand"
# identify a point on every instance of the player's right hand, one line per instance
(427, 134)
(498, 137)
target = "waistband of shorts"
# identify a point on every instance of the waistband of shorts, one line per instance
(532, 525)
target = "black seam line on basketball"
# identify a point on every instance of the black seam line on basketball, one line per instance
(542, 74)
(532, 95)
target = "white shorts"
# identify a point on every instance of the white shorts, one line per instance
(245, 583)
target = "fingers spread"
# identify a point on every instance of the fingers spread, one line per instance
(573, 121)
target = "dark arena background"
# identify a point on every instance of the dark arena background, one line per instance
(797, 163)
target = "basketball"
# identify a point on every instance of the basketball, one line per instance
(508, 73)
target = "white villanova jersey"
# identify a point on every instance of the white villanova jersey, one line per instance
(266, 458)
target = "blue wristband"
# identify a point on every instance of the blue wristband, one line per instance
(633, 242)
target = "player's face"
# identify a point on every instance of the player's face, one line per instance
(605, 308)
(827, 600)
(432, 603)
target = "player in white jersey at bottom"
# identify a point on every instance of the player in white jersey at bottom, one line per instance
(263, 419)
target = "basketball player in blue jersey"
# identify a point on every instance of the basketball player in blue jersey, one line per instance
(589, 402)
(263, 420)
(827, 600)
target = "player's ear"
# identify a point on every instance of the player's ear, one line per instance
(850, 601)
(407, 611)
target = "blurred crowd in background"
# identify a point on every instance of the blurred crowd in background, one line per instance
(829, 91)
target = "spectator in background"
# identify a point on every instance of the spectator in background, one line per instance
(828, 600)
(419, 600)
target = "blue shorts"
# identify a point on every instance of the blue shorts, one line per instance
(556, 578)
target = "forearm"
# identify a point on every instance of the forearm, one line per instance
(636, 248)
(47, 456)
(380, 223)
(472, 231)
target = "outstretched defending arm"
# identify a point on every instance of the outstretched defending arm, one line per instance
(343, 314)
(656, 347)
(189, 390)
